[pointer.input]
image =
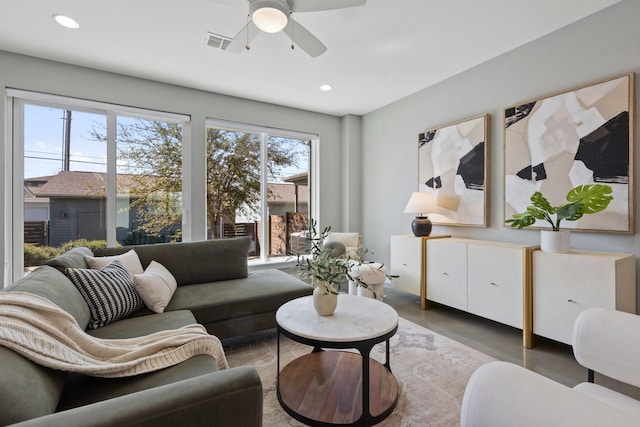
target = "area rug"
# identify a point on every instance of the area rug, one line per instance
(432, 372)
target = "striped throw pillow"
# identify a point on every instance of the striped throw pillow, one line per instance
(109, 292)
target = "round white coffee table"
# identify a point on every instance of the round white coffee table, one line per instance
(325, 388)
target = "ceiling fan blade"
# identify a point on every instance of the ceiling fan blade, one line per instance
(318, 5)
(240, 42)
(304, 39)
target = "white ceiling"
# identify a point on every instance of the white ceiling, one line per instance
(377, 53)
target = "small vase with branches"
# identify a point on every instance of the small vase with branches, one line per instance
(328, 265)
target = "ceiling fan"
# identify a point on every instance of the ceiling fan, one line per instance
(272, 16)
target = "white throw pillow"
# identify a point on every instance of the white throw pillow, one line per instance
(155, 286)
(130, 260)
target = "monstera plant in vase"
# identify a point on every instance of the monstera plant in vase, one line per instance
(582, 200)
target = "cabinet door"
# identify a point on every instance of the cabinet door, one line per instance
(447, 273)
(406, 262)
(566, 284)
(495, 283)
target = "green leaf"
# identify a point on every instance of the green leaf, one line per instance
(542, 203)
(570, 212)
(593, 197)
(521, 220)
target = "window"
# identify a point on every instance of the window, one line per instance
(89, 171)
(63, 176)
(258, 186)
(149, 181)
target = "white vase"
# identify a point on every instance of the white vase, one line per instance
(324, 303)
(558, 242)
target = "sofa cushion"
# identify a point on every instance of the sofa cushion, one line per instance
(155, 286)
(109, 292)
(49, 283)
(129, 259)
(73, 258)
(262, 291)
(27, 390)
(194, 262)
(81, 390)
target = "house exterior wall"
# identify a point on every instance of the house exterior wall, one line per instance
(73, 219)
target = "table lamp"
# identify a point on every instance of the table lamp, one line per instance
(420, 203)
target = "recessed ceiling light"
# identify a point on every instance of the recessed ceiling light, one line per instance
(326, 88)
(66, 21)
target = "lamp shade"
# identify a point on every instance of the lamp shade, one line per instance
(420, 203)
(269, 15)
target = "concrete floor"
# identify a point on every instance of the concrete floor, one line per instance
(549, 358)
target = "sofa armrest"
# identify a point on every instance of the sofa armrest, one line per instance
(605, 341)
(232, 397)
(501, 394)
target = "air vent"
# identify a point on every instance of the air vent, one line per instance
(217, 41)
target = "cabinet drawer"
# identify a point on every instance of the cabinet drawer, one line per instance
(495, 283)
(447, 273)
(406, 262)
(564, 285)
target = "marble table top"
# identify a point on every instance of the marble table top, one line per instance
(355, 319)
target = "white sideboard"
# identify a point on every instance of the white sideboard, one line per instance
(539, 292)
(566, 284)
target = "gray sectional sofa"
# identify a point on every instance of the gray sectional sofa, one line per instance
(214, 288)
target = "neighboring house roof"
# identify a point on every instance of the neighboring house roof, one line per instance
(71, 184)
(92, 184)
(75, 185)
(301, 179)
(37, 181)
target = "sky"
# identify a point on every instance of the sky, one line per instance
(44, 141)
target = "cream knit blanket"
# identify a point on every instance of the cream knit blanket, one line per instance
(41, 331)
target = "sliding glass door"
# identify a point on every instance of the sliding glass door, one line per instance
(258, 186)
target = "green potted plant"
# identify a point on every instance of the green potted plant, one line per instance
(582, 200)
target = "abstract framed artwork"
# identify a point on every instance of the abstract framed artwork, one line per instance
(581, 136)
(453, 168)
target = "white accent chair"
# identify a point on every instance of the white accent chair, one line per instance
(351, 241)
(501, 394)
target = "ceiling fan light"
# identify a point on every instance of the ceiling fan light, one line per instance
(269, 20)
(270, 16)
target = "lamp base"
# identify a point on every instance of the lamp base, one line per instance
(421, 226)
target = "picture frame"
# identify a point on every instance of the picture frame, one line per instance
(452, 166)
(580, 136)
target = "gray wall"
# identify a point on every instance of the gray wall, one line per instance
(22, 72)
(600, 46)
